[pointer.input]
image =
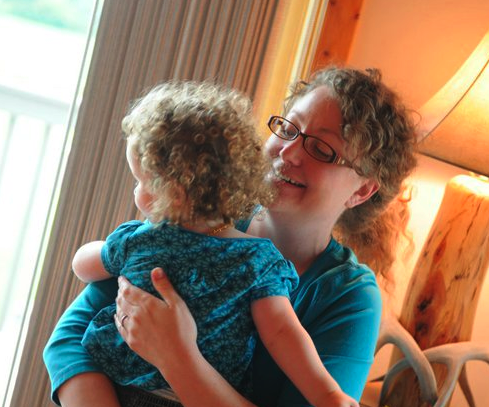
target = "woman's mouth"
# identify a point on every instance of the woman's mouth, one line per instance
(281, 177)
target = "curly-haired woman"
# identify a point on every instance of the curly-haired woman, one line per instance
(340, 154)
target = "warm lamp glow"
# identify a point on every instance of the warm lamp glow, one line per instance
(455, 122)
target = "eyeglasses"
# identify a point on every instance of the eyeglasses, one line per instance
(314, 146)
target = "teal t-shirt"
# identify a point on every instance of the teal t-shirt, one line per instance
(337, 300)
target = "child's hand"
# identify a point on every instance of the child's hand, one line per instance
(337, 398)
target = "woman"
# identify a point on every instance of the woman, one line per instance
(340, 154)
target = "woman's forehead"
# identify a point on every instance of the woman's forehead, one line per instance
(318, 110)
(318, 97)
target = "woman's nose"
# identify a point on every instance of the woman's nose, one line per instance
(287, 150)
(292, 151)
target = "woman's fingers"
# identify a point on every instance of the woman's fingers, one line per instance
(132, 301)
(158, 331)
(162, 284)
(122, 327)
(129, 299)
(118, 324)
(130, 293)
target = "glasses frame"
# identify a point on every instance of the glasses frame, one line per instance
(336, 159)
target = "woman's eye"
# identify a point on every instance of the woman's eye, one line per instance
(287, 132)
(322, 150)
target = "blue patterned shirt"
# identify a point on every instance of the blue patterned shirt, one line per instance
(218, 278)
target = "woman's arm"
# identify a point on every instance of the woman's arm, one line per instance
(164, 334)
(87, 263)
(293, 350)
(65, 358)
(88, 389)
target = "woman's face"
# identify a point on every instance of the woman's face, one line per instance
(313, 188)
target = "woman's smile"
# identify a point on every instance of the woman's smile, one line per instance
(279, 177)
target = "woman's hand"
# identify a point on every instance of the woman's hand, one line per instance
(164, 333)
(157, 330)
(337, 398)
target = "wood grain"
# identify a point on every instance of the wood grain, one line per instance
(441, 299)
(337, 33)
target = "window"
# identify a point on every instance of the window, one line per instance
(39, 71)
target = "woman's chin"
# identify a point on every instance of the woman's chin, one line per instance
(285, 196)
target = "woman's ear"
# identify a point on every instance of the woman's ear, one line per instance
(363, 193)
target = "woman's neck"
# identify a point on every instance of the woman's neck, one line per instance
(298, 240)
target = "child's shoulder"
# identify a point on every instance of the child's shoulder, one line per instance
(128, 227)
(266, 246)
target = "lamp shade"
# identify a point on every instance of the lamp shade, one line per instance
(455, 122)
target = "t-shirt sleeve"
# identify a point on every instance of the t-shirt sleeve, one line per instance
(64, 356)
(115, 250)
(279, 279)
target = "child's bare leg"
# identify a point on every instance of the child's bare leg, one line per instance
(88, 389)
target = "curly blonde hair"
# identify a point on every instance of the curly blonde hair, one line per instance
(199, 138)
(380, 136)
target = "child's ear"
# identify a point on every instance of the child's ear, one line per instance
(182, 206)
(363, 193)
(179, 197)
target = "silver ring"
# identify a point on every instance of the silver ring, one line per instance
(124, 317)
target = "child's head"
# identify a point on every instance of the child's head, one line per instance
(197, 146)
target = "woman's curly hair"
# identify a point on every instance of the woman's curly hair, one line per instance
(199, 138)
(381, 141)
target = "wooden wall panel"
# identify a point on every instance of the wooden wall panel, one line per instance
(337, 33)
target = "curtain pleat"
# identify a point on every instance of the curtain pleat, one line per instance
(138, 44)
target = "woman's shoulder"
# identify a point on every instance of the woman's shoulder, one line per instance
(338, 282)
(338, 264)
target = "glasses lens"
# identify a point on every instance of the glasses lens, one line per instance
(319, 150)
(282, 128)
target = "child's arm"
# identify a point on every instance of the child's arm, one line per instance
(87, 263)
(293, 349)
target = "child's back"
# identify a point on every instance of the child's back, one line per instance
(217, 277)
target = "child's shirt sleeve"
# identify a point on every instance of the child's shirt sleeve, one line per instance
(279, 279)
(117, 247)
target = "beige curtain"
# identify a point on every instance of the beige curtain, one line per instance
(138, 43)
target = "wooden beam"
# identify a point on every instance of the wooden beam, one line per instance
(337, 33)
